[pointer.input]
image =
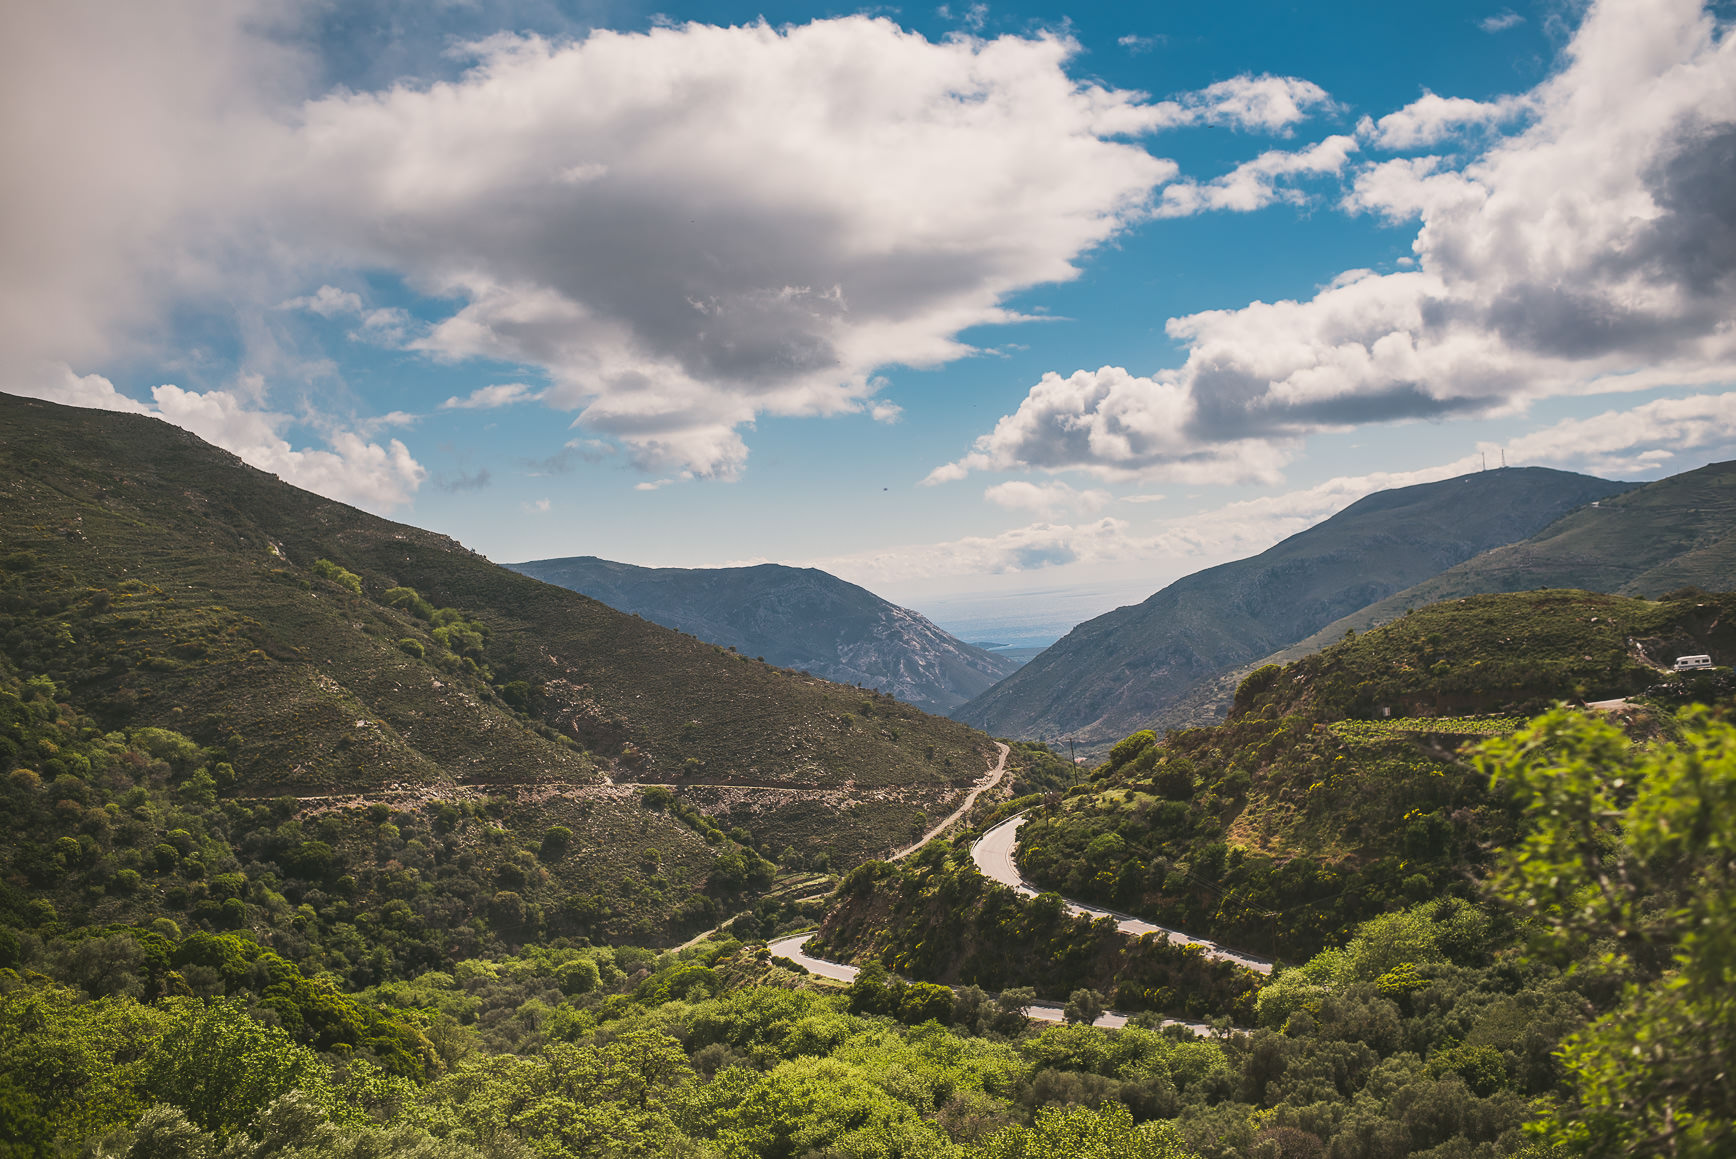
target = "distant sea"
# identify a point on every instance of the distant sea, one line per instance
(1024, 620)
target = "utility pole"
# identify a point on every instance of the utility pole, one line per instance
(1072, 760)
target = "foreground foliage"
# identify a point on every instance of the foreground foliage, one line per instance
(1631, 858)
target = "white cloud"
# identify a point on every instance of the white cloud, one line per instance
(1407, 187)
(653, 484)
(1430, 119)
(1151, 498)
(684, 229)
(386, 325)
(1115, 425)
(882, 411)
(1137, 44)
(490, 397)
(1271, 104)
(353, 470)
(1642, 439)
(132, 132)
(1045, 499)
(1501, 21)
(327, 302)
(766, 215)
(367, 427)
(1254, 184)
(1022, 549)
(1595, 250)
(537, 506)
(60, 384)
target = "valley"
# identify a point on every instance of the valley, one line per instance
(465, 864)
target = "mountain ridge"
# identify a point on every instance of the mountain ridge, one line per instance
(801, 618)
(166, 583)
(1125, 669)
(1675, 532)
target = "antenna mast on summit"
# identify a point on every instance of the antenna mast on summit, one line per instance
(1485, 460)
(1503, 457)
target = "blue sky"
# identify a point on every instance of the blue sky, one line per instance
(1011, 313)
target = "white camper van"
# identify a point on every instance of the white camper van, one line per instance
(1692, 663)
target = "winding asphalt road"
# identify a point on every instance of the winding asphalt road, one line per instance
(993, 854)
(791, 948)
(989, 781)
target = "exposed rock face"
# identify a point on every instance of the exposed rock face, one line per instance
(795, 618)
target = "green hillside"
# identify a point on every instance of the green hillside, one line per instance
(307, 850)
(1153, 664)
(1515, 1026)
(327, 653)
(1312, 808)
(1678, 532)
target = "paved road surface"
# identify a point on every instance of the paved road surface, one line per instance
(993, 854)
(791, 948)
(989, 781)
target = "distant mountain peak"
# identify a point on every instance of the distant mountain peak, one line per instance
(795, 617)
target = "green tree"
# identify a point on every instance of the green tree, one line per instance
(922, 1001)
(1635, 847)
(1083, 1133)
(222, 1068)
(1084, 1006)
(327, 570)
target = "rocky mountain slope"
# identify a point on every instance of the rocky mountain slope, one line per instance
(793, 617)
(1138, 665)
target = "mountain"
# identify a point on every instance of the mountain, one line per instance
(327, 653)
(1332, 791)
(794, 617)
(1138, 665)
(1677, 532)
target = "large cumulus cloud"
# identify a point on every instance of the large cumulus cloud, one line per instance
(1592, 250)
(681, 230)
(696, 225)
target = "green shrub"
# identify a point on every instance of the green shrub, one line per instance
(332, 573)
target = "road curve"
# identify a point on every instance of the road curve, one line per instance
(989, 781)
(993, 854)
(791, 948)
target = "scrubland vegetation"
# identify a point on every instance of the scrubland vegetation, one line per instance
(322, 839)
(1580, 1007)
